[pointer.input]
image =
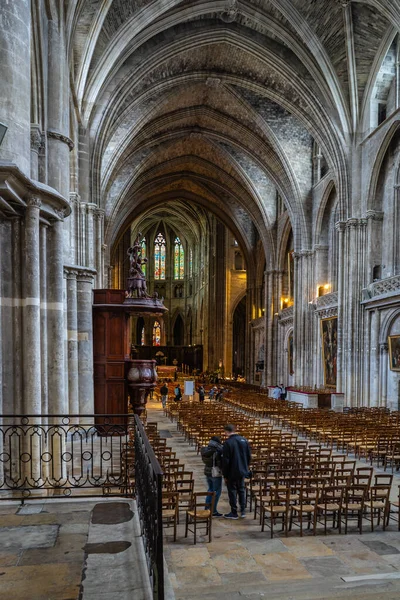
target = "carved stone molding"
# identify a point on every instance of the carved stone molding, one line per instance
(343, 3)
(328, 313)
(385, 286)
(286, 316)
(229, 15)
(303, 253)
(374, 215)
(326, 300)
(33, 201)
(213, 82)
(61, 138)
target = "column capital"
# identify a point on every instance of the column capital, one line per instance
(70, 272)
(36, 138)
(74, 197)
(374, 215)
(99, 213)
(340, 226)
(33, 201)
(86, 274)
(384, 347)
(60, 212)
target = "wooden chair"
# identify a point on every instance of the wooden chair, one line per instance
(200, 514)
(306, 507)
(170, 510)
(393, 457)
(378, 504)
(277, 506)
(353, 505)
(330, 505)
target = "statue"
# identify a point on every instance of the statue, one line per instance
(136, 279)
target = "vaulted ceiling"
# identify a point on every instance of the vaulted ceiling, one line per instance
(219, 102)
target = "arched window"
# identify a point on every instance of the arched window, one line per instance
(190, 263)
(159, 257)
(143, 255)
(156, 334)
(179, 260)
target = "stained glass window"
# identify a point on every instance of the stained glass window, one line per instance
(156, 334)
(190, 263)
(142, 338)
(159, 257)
(143, 255)
(179, 260)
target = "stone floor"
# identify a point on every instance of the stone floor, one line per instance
(86, 550)
(242, 563)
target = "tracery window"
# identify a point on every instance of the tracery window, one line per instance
(190, 263)
(159, 256)
(143, 255)
(179, 260)
(156, 334)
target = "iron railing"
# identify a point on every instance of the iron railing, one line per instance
(148, 481)
(63, 456)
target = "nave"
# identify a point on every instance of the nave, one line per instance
(244, 562)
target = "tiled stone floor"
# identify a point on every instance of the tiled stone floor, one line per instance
(86, 550)
(242, 563)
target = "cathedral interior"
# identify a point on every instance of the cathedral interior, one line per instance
(254, 148)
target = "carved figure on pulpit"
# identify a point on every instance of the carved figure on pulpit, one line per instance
(137, 278)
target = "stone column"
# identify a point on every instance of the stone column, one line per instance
(85, 340)
(99, 221)
(384, 348)
(16, 257)
(373, 364)
(72, 340)
(303, 320)
(59, 144)
(340, 228)
(90, 235)
(354, 257)
(15, 88)
(273, 285)
(55, 319)
(43, 317)
(31, 310)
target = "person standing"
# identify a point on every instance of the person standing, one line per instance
(276, 392)
(202, 393)
(164, 394)
(212, 459)
(178, 393)
(236, 457)
(283, 392)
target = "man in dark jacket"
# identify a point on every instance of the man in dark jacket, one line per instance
(211, 456)
(164, 395)
(236, 457)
